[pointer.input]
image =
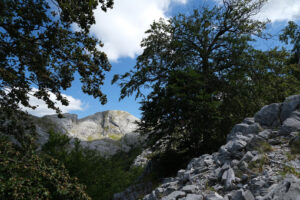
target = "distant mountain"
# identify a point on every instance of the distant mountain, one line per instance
(108, 132)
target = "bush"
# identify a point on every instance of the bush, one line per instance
(24, 174)
(167, 163)
(102, 176)
(264, 147)
(295, 146)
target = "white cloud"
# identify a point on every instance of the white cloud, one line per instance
(181, 1)
(42, 109)
(280, 10)
(122, 28)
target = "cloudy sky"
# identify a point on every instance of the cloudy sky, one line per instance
(122, 29)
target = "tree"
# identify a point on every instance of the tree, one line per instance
(291, 35)
(182, 108)
(97, 173)
(41, 47)
(42, 44)
(205, 74)
(209, 42)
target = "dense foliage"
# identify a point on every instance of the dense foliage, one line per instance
(42, 45)
(291, 35)
(102, 176)
(24, 174)
(206, 75)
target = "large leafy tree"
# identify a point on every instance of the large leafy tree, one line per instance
(182, 109)
(42, 45)
(206, 75)
(209, 43)
(209, 40)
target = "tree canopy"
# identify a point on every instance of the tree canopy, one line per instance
(42, 45)
(291, 35)
(206, 75)
(207, 41)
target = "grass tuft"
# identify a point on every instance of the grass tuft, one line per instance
(290, 156)
(289, 170)
(115, 136)
(295, 147)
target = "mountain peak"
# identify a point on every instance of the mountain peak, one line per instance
(108, 131)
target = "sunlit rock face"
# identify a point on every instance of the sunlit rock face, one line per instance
(108, 131)
(103, 124)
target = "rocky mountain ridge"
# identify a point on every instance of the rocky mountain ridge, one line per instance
(107, 132)
(260, 161)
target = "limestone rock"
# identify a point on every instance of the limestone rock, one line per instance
(247, 157)
(291, 124)
(174, 195)
(287, 189)
(235, 146)
(213, 196)
(295, 141)
(63, 124)
(228, 177)
(193, 197)
(266, 134)
(249, 120)
(243, 129)
(104, 124)
(269, 115)
(242, 195)
(142, 159)
(289, 105)
(189, 189)
(242, 169)
(107, 132)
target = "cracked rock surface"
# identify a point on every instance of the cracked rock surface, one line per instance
(256, 163)
(107, 132)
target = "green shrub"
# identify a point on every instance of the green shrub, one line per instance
(115, 136)
(295, 147)
(167, 163)
(264, 147)
(24, 174)
(290, 156)
(259, 164)
(102, 176)
(289, 170)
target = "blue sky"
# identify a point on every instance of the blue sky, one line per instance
(121, 30)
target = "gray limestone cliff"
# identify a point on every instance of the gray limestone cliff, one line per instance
(107, 132)
(260, 161)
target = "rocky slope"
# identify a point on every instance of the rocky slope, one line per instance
(260, 161)
(108, 132)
